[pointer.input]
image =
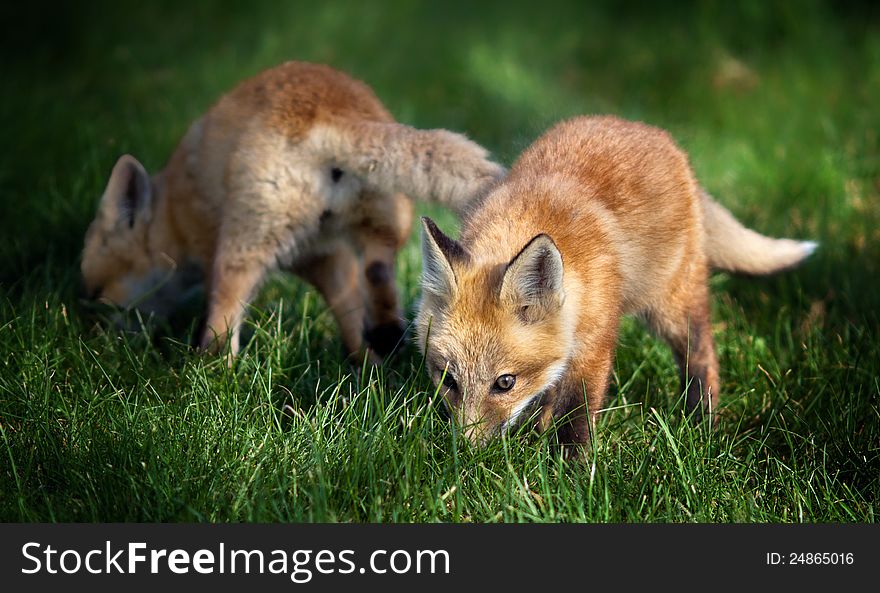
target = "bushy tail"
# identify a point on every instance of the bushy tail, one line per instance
(431, 165)
(733, 247)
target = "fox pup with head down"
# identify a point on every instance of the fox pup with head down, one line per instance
(599, 218)
(299, 168)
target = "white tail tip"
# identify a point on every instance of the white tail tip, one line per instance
(809, 247)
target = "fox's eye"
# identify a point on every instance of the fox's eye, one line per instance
(505, 382)
(449, 382)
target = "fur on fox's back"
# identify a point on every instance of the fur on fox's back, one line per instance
(598, 181)
(315, 114)
(635, 175)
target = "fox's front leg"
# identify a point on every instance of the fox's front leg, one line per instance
(578, 399)
(231, 286)
(258, 226)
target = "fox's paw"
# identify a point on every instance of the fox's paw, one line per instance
(214, 344)
(385, 338)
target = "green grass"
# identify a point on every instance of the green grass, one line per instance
(776, 105)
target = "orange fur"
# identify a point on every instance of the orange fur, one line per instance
(299, 167)
(599, 218)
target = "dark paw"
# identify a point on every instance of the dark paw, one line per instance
(385, 338)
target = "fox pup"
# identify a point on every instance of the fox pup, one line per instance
(299, 168)
(600, 217)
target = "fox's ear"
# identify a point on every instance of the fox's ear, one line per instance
(438, 254)
(533, 280)
(129, 194)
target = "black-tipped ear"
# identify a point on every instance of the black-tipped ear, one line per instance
(128, 196)
(438, 254)
(533, 280)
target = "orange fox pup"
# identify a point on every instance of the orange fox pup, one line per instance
(299, 168)
(599, 218)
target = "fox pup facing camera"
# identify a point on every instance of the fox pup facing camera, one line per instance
(599, 218)
(299, 168)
